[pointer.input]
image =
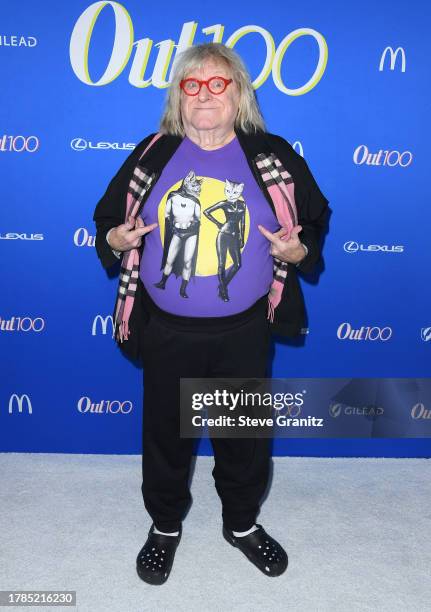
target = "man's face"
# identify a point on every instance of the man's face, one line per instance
(208, 111)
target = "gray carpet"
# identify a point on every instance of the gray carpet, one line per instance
(357, 532)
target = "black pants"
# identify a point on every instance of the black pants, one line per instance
(175, 347)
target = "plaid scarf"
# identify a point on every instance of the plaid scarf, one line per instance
(280, 187)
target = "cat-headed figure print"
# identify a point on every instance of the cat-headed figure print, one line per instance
(182, 224)
(230, 237)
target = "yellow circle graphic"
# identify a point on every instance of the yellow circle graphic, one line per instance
(212, 191)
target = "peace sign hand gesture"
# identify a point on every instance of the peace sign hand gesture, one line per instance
(290, 250)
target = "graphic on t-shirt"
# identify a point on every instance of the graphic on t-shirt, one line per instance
(182, 223)
(228, 264)
(196, 244)
(230, 237)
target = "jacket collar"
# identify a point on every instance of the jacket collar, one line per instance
(253, 144)
(164, 148)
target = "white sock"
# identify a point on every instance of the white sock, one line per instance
(163, 533)
(244, 533)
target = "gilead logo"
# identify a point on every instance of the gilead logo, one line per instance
(372, 412)
(17, 41)
(124, 44)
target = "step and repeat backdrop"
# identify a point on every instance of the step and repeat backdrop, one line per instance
(347, 85)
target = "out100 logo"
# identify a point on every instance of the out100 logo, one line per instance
(124, 43)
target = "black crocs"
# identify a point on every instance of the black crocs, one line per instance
(155, 559)
(262, 550)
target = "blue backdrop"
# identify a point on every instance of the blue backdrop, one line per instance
(83, 82)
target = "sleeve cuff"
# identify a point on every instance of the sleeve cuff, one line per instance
(306, 253)
(116, 253)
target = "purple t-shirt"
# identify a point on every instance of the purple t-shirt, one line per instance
(207, 255)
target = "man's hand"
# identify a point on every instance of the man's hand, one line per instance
(129, 235)
(290, 250)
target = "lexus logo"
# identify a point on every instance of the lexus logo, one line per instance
(426, 334)
(353, 247)
(80, 144)
(19, 400)
(17, 236)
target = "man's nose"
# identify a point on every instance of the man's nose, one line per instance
(204, 93)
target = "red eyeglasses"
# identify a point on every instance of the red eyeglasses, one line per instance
(216, 85)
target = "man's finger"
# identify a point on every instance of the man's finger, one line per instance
(297, 229)
(141, 231)
(129, 223)
(294, 234)
(283, 233)
(271, 237)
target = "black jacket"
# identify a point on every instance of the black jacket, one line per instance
(312, 206)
